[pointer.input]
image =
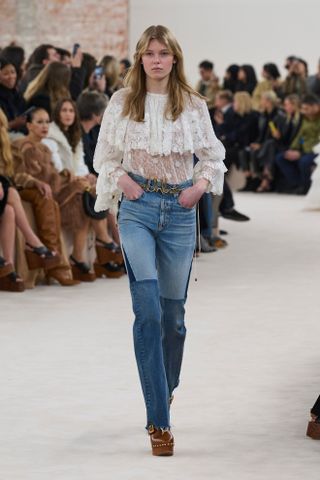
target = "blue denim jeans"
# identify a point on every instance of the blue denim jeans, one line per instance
(158, 240)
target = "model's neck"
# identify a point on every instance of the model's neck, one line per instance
(157, 86)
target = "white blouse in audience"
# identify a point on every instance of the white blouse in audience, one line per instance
(157, 147)
(62, 154)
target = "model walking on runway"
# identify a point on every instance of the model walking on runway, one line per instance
(144, 157)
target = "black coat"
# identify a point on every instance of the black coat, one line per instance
(236, 130)
(11, 102)
(277, 117)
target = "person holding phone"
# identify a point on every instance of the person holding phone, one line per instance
(144, 156)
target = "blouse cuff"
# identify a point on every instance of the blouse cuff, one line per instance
(214, 173)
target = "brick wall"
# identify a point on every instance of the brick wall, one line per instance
(100, 26)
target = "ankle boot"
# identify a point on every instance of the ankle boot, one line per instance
(162, 441)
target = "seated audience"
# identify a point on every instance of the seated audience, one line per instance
(247, 79)
(111, 71)
(296, 164)
(41, 56)
(91, 107)
(12, 214)
(124, 64)
(283, 135)
(16, 56)
(89, 63)
(230, 79)
(39, 195)
(296, 80)
(52, 84)
(271, 81)
(66, 189)
(64, 141)
(226, 121)
(260, 152)
(208, 84)
(11, 101)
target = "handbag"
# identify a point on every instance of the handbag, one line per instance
(88, 205)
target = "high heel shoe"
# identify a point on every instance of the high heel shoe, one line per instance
(81, 271)
(162, 441)
(61, 277)
(41, 257)
(109, 269)
(5, 268)
(108, 252)
(12, 283)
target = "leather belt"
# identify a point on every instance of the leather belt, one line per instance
(160, 186)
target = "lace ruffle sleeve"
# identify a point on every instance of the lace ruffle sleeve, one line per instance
(108, 155)
(209, 150)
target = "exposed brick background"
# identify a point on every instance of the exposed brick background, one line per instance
(100, 26)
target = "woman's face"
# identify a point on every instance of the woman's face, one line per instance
(8, 76)
(242, 75)
(236, 105)
(289, 107)
(39, 125)
(67, 114)
(157, 61)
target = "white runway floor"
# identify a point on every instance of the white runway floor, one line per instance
(70, 403)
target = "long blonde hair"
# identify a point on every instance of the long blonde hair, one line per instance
(5, 146)
(111, 70)
(244, 102)
(136, 77)
(54, 80)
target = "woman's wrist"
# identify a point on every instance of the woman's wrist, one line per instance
(202, 185)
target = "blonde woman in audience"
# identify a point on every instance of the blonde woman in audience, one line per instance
(111, 68)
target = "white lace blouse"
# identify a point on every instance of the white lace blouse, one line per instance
(156, 148)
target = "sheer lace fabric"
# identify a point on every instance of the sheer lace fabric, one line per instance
(156, 148)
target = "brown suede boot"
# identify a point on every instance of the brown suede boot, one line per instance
(162, 441)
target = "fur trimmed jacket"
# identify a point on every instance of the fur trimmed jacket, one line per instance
(62, 154)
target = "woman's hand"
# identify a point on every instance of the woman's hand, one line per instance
(97, 83)
(44, 189)
(255, 146)
(17, 123)
(92, 179)
(130, 188)
(189, 197)
(292, 155)
(1, 191)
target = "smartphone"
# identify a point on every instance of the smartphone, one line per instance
(273, 128)
(76, 46)
(98, 73)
